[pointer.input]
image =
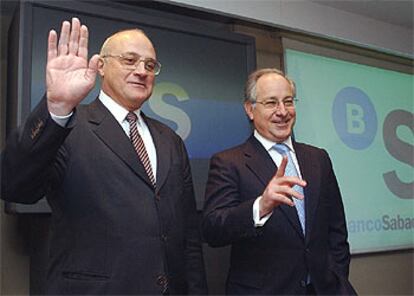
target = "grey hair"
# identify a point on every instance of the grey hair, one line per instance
(251, 83)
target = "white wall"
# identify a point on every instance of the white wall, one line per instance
(315, 19)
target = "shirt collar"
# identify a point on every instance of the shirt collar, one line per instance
(117, 110)
(267, 144)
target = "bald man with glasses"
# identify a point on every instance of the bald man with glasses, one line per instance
(119, 184)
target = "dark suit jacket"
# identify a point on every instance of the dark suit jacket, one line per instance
(276, 258)
(111, 232)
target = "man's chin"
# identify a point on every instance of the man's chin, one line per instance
(139, 96)
(282, 135)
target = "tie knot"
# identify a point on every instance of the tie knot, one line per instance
(131, 117)
(281, 148)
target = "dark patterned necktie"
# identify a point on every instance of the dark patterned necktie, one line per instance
(139, 146)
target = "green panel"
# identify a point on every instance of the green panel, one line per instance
(363, 116)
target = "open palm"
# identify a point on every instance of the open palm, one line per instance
(69, 76)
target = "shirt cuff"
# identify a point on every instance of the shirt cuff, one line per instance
(256, 214)
(61, 120)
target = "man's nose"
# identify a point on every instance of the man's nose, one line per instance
(140, 68)
(281, 109)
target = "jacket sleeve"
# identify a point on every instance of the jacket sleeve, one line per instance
(29, 160)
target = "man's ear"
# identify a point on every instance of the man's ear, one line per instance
(248, 107)
(100, 67)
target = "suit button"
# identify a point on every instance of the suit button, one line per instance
(303, 283)
(164, 237)
(307, 250)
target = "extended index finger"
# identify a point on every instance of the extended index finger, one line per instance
(281, 170)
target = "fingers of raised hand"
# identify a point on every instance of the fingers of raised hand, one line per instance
(52, 45)
(74, 36)
(292, 193)
(282, 167)
(290, 181)
(70, 37)
(284, 199)
(64, 38)
(83, 42)
(281, 189)
(274, 198)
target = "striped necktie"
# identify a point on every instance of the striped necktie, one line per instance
(291, 171)
(139, 146)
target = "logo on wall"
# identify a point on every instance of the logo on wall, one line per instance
(354, 118)
(355, 121)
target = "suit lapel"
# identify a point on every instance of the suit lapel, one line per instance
(110, 132)
(261, 164)
(310, 173)
(259, 161)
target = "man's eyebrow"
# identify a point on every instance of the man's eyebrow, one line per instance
(276, 99)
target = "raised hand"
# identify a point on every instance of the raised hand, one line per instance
(69, 76)
(279, 190)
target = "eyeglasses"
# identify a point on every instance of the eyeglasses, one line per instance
(131, 61)
(288, 103)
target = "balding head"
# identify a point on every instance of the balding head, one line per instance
(113, 39)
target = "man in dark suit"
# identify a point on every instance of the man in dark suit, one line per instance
(123, 213)
(287, 230)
